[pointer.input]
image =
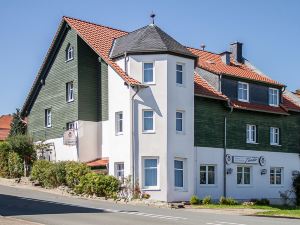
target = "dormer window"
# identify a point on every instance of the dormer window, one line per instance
(243, 92)
(273, 97)
(69, 53)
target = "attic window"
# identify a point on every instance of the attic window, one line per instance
(69, 53)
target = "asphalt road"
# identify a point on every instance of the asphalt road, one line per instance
(45, 208)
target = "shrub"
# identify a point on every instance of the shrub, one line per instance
(74, 172)
(97, 184)
(60, 172)
(145, 196)
(207, 200)
(194, 200)
(227, 201)
(262, 201)
(4, 149)
(15, 165)
(296, 189)
(44, 172)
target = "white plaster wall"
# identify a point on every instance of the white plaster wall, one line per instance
(260, 186)
(63, 152)
(117, 147)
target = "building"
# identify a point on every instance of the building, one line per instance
(166, 114)
(5, 121)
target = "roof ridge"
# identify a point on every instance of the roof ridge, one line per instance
(85, 21)
(201, 50)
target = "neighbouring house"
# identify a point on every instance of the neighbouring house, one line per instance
(179, 120)
(5, 121)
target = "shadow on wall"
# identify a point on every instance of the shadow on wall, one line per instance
(16, 206)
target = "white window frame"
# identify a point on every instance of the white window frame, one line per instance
(71, 125)
(48, 118)
(243, 175)
(70, 53)
(249, 130)
(118, 170)
(275, 174)
(182, 121)
(157, 174)
(182, 72)
(70, 91)
(183, 174)
(273, 132)
(117, 123)
(153, 121)
(273, 95)
(206, 172)
(239, 97)
(153, 71)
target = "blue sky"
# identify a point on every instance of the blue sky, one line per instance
(270, 31)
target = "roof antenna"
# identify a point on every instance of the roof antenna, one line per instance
(203, 46)
(152, 15)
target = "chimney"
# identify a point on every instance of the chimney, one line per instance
(225, 56)
(236, 49)
(298, 91)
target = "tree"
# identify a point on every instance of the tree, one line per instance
(18, 124)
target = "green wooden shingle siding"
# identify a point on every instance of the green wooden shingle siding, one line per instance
(209, 127)
(53, 95)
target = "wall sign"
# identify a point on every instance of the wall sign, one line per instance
(246, 159)
(70, 137)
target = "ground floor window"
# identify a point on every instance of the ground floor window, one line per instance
(207, 174)
(150, 172)
(119, 170)
(276, 174)
(178, 171)
(243, 175)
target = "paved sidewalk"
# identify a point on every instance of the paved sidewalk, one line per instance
(14, 221)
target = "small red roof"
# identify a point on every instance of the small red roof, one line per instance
(98, 162)
(289, 103)
(212, 62)
(5, 122)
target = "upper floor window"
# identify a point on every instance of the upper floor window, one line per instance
(274, 135)
(251, 133)
(276, 174)
(148, 121)
(48, 118)
(148, 76)
(71, 126)
(70, 91)
(179, 74)
(243, 175)
(243, 91)
(119, 122)
(179, 121)
(69, 53)
(207, 174)
(273, 97)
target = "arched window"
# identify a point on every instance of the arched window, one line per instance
(69, 53)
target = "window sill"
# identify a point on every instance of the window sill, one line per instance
(244, 185)
(69, 60)
(180, 132)
(276, 145)
(242, 100)
(70, 101)
(149, 132)
(276, 185)
(178, 189)
(119, 134)
(273, 105)
(180, 85)
(151, 189)
(48, 127)
(252, 143)
(208, 185)
(150, 84)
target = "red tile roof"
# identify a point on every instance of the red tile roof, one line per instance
(100, 39)
(213, 63)
(5, 122)
(202, 88)
(98, 162)
(289, 104)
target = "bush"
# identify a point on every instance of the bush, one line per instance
(207, 200)
(60, 172)
(262, 201)
(227, 201)
(97, 184)
(4, 150)
(44, 172)
(74, 172)
(15, 165)
(296, 189)
(194, 200)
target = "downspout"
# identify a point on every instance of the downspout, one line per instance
(225, 151)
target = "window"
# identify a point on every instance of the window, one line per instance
(207, 174)
(179, 121)
(148, 73)
(243, 92)
(273, 97)
(274, 136)
(119, 170)
(243, 175)
(179, 74)
(70, 91)
(71, 126)
(150, 173)
(119, 123)
(69, 53)
(48, 119)
(276, 175)
(148, 122)
(251, 133)
(178, 167)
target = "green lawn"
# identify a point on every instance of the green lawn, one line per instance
(268, 210)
